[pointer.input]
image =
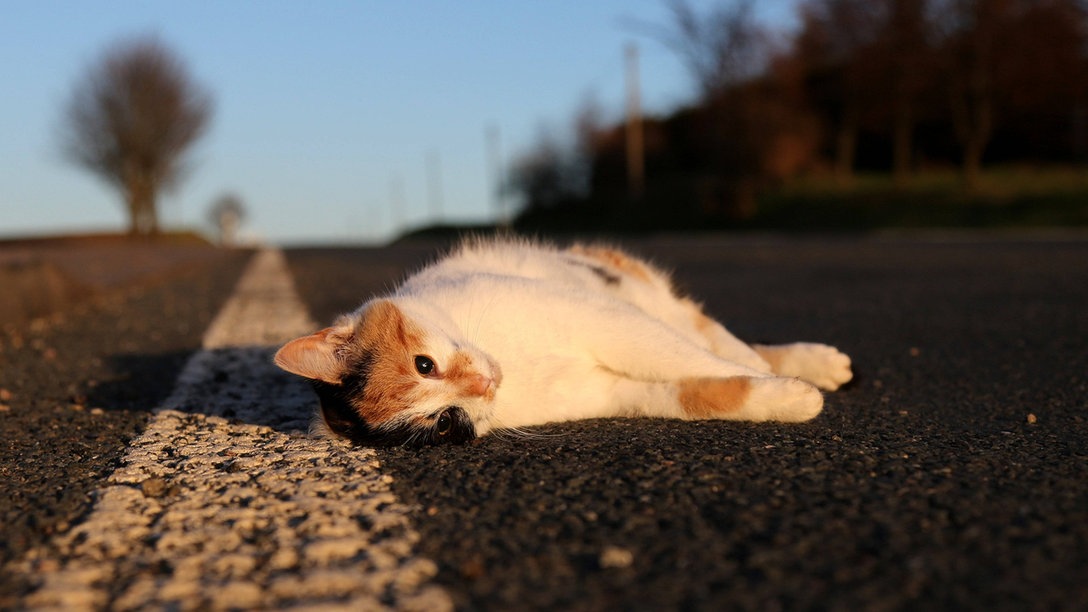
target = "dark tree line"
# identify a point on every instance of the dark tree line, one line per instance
(875, 85)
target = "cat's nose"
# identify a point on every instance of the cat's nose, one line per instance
(479, 384)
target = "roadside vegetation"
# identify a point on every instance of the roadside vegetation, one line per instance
(874, 113)
(1006, 196)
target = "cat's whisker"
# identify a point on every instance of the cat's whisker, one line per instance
(524, 434)
(506, 435)
(513, 433)
(413, 439)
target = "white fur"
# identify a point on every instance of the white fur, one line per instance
(572, 346)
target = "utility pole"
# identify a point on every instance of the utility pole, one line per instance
(636, 169)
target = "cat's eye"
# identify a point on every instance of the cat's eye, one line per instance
(444, 425)
(424, 365)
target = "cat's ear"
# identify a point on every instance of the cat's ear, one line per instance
(314, 356)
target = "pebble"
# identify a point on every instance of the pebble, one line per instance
(615, 557)
(473, 569)
(153, 487)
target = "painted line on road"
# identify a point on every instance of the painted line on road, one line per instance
(225, 502)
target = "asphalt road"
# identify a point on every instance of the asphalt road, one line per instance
(951, 474)
(76, 386)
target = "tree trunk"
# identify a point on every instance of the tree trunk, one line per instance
(143, 216)
(902, 143)
(972, 162)
(976, 136)
(152, 212)
(972, 112)
(133, 206)
(745, 203)
(846, 141)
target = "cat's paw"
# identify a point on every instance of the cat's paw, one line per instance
(826, 366)
(789, 400)
(819, 364)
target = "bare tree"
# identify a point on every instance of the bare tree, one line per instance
(973, 31)
(721, 47)
(552, 173)
(726, 53)
(904, 58)
(837, 42)
(1007, 61)
(130, 121)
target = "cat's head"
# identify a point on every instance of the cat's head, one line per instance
(389, 374)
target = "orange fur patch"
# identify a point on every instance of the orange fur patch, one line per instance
(703, 398)
(460, 374)
(467, 380)
(459, 366)
(391, 384)
(615, 259)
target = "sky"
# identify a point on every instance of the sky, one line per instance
(334, 121)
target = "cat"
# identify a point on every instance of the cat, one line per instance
(505, 333)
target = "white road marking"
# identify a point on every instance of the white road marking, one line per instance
(224, 501)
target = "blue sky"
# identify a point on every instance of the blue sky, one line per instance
(326, 113)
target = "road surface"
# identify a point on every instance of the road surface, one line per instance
(950, 474)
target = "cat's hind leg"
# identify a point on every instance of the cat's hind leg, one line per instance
(738, 398)
(652, 290)
(822, 365)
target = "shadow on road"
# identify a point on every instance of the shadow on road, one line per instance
(239, 383)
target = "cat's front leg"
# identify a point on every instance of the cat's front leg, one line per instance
(722, 342)
(822, 365)
(738, 398)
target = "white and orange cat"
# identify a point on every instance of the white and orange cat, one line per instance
(507, 333)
